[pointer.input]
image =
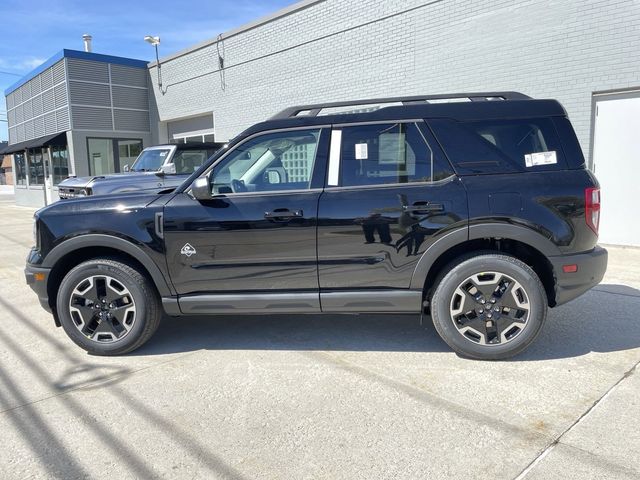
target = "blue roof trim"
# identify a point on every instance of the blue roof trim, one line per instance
(94, 57)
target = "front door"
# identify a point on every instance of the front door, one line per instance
(390, 194)
(254, 241)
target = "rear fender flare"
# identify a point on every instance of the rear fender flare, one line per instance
(476, 232)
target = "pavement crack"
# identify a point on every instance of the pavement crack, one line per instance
(558, 439)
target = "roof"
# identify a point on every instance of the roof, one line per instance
(59, 139)
(65, 53)
(460, 111)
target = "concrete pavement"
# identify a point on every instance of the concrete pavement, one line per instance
(319, 396)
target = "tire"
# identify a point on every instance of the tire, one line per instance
(134, 315)
(505, 329)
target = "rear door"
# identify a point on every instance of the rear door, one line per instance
(390, 194)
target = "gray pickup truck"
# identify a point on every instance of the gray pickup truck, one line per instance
(156, 168)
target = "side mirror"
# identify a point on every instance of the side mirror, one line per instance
(169, 169)
(126, 168)
(201, 189)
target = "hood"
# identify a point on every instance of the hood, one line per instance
(82, 182)
(100, 204)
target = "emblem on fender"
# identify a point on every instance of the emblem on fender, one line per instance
(188, 250)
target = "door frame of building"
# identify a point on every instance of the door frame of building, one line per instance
(617, 94)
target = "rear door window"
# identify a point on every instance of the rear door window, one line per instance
(395, 153)
(501, 146)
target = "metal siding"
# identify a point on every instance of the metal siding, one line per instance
(89, 94)
(48, 101)
(58, 72)
(88, 70)
(35, 86)
(19, 114)
(133, 120)
(130, 97)
(46, 78)
(28, 129)
(60, 94)
(27, 109)
(122, 75)
(50, 123)
(37, 105)
(92, 118)
(62, 120)
(38, 127)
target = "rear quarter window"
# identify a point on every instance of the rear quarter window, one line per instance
(500, 146)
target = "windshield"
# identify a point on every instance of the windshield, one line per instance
(150, 160)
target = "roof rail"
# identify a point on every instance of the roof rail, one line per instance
(314, 110)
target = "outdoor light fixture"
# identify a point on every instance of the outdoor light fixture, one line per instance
(155, 41)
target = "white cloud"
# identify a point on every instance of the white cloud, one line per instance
(21, 65)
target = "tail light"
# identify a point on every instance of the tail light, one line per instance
(592, 208)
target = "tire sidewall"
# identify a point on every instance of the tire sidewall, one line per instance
(510, 266)
(69, 283)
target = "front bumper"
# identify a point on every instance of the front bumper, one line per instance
(591, 268)
(37, 279)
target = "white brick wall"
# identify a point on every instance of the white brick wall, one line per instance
(349, 49)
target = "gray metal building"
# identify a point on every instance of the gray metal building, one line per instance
(88, 107)
(584, 53)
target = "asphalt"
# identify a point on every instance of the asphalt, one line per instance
(335, 397)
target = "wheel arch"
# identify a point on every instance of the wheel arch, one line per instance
(520, 242)
(74, 251)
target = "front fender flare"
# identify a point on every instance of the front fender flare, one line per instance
(116, 243)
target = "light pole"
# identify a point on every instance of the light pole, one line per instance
(155, 41)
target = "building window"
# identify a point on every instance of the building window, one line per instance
(35, 166)
(21, 169)
(128, 151)
(59, 163)
(110, 155)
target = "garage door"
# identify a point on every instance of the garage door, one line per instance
(616, 163)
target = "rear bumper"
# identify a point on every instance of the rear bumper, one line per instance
(591, 268)
(38, 283)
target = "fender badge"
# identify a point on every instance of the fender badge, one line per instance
(188, 250)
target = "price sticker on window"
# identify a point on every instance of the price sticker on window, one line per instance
(362, 151)
(540, 158)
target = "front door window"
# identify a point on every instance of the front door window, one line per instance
(272, 162)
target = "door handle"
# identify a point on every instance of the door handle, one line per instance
(283, 214)
(423, 207)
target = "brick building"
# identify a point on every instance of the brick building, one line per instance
(583, 53)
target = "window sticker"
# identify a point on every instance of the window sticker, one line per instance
(540, 158)
(163, 154)
(362, 151)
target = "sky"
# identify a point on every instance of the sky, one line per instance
(34, 30)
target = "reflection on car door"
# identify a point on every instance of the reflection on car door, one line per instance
(392, 195)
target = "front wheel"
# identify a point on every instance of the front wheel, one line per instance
(108, 307)
(488, 306)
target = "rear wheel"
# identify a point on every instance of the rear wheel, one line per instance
(488, 306)
(108, 307)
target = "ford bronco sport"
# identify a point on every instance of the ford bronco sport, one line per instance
(475, 210)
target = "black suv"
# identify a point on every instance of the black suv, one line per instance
(474, 209)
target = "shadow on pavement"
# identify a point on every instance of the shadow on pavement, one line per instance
(603, 320)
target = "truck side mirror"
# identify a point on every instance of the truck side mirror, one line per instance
(126, 168)
(169, 169)
(201, 189)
